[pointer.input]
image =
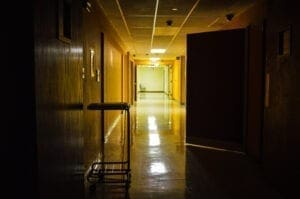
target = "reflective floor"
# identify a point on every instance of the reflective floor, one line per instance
(164, 167)
(158, 153)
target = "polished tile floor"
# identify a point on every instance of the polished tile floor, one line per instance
(163, 166)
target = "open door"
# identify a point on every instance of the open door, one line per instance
(216, 87)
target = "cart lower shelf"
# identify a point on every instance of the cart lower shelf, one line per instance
(109, 173)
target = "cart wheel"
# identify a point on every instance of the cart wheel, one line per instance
(127, 185)
(93, 187)
(129, 177)
(101, 177)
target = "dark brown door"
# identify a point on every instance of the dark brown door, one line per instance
(216, 88)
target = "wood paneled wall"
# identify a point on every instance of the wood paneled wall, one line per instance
(91, 88)
(59, 103)
(281, 136)
(277, 143)
(68, 136)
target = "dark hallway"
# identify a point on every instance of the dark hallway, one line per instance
(66, 54)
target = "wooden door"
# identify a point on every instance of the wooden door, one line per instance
(216, 88)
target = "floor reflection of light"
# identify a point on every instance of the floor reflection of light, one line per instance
(158, 168)
(154, 139)
(152, 126)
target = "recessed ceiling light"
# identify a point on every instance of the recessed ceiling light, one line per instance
(154, 59)
(174, 9)
(158, 50)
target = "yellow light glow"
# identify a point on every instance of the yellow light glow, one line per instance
(158, 168)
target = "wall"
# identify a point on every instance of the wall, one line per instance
(112, 72)
(133, 68)
(282, 117)
(91, 88)
(277, 142)
(183, 80)
(63, 136)
(166, 79)
(125, 78)
(176, 80)
(179, 80)
(110, 60)
(59, 99)
(152, 78)
(132, 81)
(112, 81)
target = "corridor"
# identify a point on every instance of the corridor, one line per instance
(163, 166)
(234, 64)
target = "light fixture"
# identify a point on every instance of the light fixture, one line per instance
(158, 50)
(92, 54)
(154, 59)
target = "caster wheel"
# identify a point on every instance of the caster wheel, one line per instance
(129, 177)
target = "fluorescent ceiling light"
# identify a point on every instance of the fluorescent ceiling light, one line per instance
(158, 50)
(154, 59)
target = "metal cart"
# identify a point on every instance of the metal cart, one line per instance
(112, 172)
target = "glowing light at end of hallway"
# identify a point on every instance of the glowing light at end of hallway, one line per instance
(158, 168)
(154, 140)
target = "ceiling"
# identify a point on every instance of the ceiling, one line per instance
(142, 24)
